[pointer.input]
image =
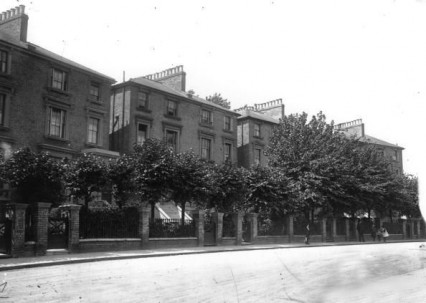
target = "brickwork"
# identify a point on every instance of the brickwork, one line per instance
(14, 23)
(41, 223)
(73, 226)
(218, 220)
(18, 229)
(187, 123)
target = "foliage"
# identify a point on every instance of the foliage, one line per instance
(219, 100)
(229, 188)
(121, 173)
(36, 177)
(153, 162)
(189, 181)
(85, 175)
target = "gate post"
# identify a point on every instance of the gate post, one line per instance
(252, 218)
(218, 220)
(290, 228)
(73, 226)
(144, 214)
(419, 221)
(238, 223)
(333, 228)
(356, 230)
(41, 222)
(404, 229)
(324, 229)
(17, 213)
(347, 230)
(412, 228)
(198, 216)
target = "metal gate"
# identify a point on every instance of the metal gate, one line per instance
(57, 236)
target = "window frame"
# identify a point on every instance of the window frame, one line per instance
(225, 124)
(137, 132)
(4, 61)
(208, 150)
(146, 102)
(256, 130)
(63, 83)
(257, 152)
(225, 147)
(95, 97)
(206, 117)
(97, 133)
(174, 112)
(62, 123)
(3, 98)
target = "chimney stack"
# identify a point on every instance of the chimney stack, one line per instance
(14, 22)
(173, 77)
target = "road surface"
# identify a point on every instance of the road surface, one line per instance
(362, 273)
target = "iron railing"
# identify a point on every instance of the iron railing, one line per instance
(228, 229)
(109, 223)
(268, 227)
(171, 228)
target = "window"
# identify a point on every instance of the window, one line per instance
(227, 123)
(93, 133)
(94, 91)
(394, 155)
(205, 148)
(227, 152)
(142, 100)
(257, 130)
(59, 79)
(206, 117)
(257, 154)
(3, 61)
(141, 134)
(171, 139)
(172, 108)
(56, 122)
(2, 108)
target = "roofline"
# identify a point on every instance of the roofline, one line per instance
(193, 101)
(30, 52)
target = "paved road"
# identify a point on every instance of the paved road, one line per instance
(367, 273)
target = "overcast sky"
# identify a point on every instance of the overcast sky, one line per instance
(351, 59)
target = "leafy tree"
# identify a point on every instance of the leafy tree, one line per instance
(86, 175)
(121, 173)
(35, 177)
(268, 190)
(219, 100)
(153, 171)
(229, 188)
(190, 180)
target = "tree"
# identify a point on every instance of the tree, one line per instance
(121, 173)
(229, 188)
(219, 100)
(35, 177)
(86, 175)
(153, 171)
(190, 180)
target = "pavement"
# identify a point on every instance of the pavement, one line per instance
(7, 264)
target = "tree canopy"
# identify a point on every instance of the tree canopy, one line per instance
(216, 98)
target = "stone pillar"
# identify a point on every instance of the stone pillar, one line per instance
(17, 215)
(404, 229)
(198, 216)
(347, 230)
(290, 228)
(324, 229)
(73, 226)
(412, 228)
(238, 223)
(218, 220)
(144, 215)
(334, 228)
(419, 221)
(252, 218)
(356, 230)
(41, 223)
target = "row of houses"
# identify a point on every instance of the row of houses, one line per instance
(52, 104)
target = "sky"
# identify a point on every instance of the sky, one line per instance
(357, 59)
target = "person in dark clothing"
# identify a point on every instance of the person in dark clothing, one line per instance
(360, 229)
(308, 234)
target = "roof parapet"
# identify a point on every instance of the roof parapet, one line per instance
(165, 73)
(348, 124)
(257, 107)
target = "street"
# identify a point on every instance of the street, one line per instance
(392, 272)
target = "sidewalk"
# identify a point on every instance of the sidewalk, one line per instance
(30, 262)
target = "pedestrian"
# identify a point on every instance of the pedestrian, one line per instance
(360, 229)
(308, 234)
(373, 232)
(383, 233)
